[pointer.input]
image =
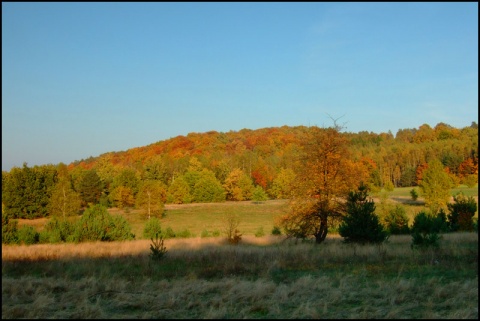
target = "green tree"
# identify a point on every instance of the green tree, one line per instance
(64, 201)
(14, 197)
(90, 187)
(26, 191)
(9, 230)
(127, 178)
(461, 213)
(361, 224)
(435, 186)
(179, 192)
(152, 197)
(208, 189)
(156, 168)
(259, 194)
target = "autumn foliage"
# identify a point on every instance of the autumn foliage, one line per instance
(216, 166)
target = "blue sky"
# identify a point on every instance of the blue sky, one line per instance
(83, 79)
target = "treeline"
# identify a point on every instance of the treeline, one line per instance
(237, 165)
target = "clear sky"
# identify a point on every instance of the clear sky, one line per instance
(83, 79)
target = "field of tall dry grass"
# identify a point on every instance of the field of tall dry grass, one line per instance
(266, 277)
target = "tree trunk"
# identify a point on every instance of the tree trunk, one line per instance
(322, 232)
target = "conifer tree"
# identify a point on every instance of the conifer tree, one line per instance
(361, 224)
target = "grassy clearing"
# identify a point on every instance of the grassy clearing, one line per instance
(209, 217)
(260, 278)
(405, 191)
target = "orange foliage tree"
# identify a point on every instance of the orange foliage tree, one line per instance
(322, 184)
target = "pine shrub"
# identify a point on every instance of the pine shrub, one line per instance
(414, 194)
(425, 230)
(121, 229)
(276, 231)
(361, 224)
(157, 249)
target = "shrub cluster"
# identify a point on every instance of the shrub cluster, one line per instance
(96, 224)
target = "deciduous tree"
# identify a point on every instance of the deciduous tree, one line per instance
(238, 185)
(435, 186)
(151, 197)
(322, 185)
(64, 200)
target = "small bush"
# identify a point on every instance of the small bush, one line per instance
(276, 231)
(169, 233)
(152, 227)
(461, 213)
(216, 233)
(97, 224)
(397, 221)
(27, 235)
(49, 237)
(231, 222)
(204, 233)
(259, 232)
(184, 234)
(414, 194)
(425, 230)
(121, 229)
(57, 231)
(235, 238)
(388, 186)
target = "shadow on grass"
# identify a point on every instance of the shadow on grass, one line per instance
(407, 201)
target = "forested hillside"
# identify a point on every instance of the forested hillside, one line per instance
(237, 165)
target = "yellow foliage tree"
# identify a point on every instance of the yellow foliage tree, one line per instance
(322, 184)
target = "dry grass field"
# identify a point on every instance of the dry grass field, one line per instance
(262, 277)
(267, 277)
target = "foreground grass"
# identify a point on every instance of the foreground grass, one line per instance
(260, 278)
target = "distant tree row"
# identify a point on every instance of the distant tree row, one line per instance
(235, 166)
